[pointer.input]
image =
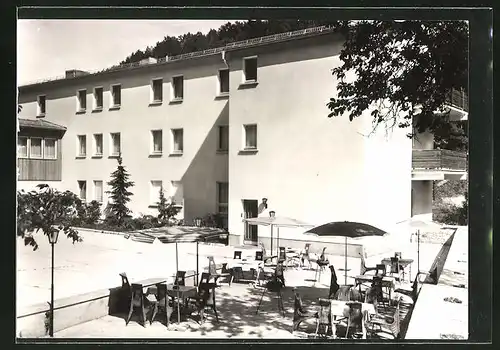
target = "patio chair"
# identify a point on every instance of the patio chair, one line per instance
(205, 278)
(137, 301)
(381, 270)
(212, 269)
(413, 293)
(299, 314)
(334, 286)
(322, 262)
(237, 254)
(364, 269)
(324, 319)
(282, 255)
(125, 282)
(377, 293)
(397, 269)
(392, 323)
(275, 285)
(259, 255)
(205, 299)
(180, 278)
(266, 258)
(343, 293)
(305, 255)
(163, 303)
(355, 319)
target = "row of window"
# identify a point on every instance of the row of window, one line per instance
(156, 141)
(156, 90)
(37, 147)
(175, 192)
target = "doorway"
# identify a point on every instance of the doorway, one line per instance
(250, 210)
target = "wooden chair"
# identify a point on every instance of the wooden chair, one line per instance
(137, 301)
(180, 278)
(205, 299)
(305, 255)
(415, 290)
(324, 320)
(163, 303)
(343, 293)
(334, 286)
(322, 262)
(377, 293)
(299, 314)
(355, 319)
(397, 269)
(364, 269)
(393, 324)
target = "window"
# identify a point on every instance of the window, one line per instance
(116, 96)
(157, 90)
(177, 88)
(22, 147)
(177, 193)
(115, 144)
(223, 81)
(250, 136)
(97, 144)
(82, 146)
(154, 194)
(40, 112)
(250, 69)
(49, 148)
(82, 186)
(223, 200)
(98, 190)
(223, 142)
(98, 98)
(178, 140)
(157, 141)
(81, 99)
(36, 147)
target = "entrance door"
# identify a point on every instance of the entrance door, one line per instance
(250, 210)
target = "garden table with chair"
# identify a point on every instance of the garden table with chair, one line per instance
(387, 282)
(403, 263)
(342, 311)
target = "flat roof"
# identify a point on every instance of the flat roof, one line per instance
(238, 45)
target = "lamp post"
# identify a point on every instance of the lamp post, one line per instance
(52, 236)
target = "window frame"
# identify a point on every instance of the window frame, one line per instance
(78, 146)
(95, 107)
(41, 148)
(39, 112)
(94, 145)
(80, 190)
(221, 93)
(250, 81)
(172, 195)
(152, 143)
(112, 104)
(27, 147)
(219, 148)
(173, 150)
(55, 148)
(79, 100)
(95, 189)
(220, 204)
(152, 100)
(154, 203)
(245, 147)
(173, 98)
(111, 145)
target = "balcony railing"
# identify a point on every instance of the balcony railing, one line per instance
(435, 159)
(458, 99)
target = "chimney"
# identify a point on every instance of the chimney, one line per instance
(73, 73)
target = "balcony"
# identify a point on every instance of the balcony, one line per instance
(435, 159)
(458, 102)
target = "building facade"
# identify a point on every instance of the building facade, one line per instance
(221, 129)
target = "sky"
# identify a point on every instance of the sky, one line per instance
(47, 48)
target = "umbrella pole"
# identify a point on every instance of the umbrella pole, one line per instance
(271, 240)
(345, 267)
(197, 263)
(418, 252)
(177, 269)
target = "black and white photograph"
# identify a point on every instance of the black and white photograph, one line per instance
(287, 179)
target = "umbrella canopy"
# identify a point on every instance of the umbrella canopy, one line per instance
(346, 229)
(418, 224)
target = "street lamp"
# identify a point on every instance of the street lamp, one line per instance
(52, 236)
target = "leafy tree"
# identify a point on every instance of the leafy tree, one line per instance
(120, 194)
(48, 210)
(166, 210)
(401, 71)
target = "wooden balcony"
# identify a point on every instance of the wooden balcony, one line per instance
(458, 99)
(435, 159)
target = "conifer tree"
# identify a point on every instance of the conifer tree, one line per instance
(119, 194)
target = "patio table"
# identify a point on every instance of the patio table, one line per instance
(340, 308)
(387, 282)
(403, 262)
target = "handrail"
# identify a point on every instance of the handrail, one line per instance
(230, 46)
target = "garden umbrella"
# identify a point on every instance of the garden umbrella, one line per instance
(185, 234)
(346, 229)
(277, 221)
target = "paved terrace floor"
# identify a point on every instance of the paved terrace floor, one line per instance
(237, 307)
(96, 262)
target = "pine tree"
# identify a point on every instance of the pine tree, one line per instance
(165, 210)
(119, 194)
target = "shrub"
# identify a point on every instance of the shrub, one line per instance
(166, 211)
(451, 214)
